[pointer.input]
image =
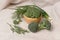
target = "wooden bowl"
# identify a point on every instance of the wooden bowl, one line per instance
(29, 20)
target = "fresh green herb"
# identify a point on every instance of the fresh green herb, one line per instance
(17, 21)
(44, 14)
(32, 12)
(17, 29)
(18, 14)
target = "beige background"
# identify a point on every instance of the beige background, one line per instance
(52, 10)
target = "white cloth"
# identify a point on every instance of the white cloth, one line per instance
(6, 34)
(4, 3)
(41, 3)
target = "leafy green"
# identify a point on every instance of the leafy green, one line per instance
(16, 21)
(18, 14)
(44, 14)
(21, 10)
(44, 24)
(17, 29)
(33, 27)
(32, 12)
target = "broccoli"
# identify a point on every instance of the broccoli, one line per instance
(33, 27)
(44, 24)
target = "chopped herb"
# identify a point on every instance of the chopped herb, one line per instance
(17, 29)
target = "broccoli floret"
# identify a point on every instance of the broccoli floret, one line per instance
(33, 27)
(44, 24)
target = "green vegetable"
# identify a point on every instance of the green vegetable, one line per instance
(17, 29)
(18, 14)
(44, 24)
(32, 12)
(21, 10)
(33, 27)
(44, 14)
(16, 18)
(16, 21)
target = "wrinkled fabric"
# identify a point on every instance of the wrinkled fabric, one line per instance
(41, 3)
(52, 10)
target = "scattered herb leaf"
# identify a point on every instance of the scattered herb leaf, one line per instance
(17, 29)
